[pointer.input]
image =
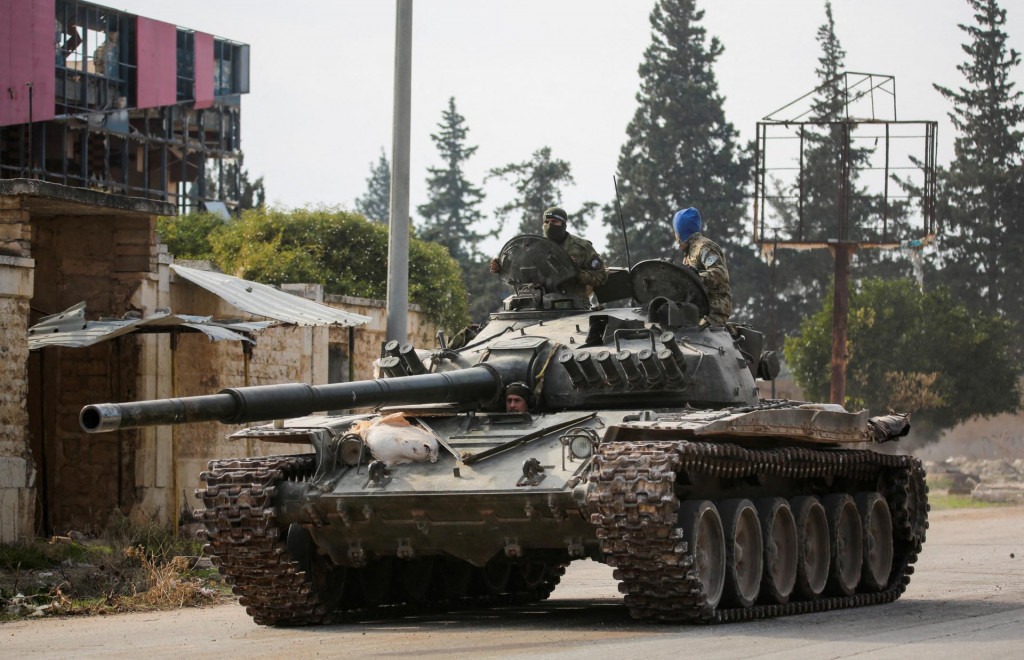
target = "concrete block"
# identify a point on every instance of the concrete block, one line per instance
(8, 203)
(137, 264)
(9, 515)
(13, 472)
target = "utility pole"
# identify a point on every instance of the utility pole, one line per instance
(398, 235)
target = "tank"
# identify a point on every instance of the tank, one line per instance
(647, 446)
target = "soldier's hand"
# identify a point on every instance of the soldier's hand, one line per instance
(494, 266)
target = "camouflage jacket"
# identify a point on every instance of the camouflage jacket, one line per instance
(706, 257)
(590, 270)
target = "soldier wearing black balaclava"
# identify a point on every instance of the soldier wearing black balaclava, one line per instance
(590, 270)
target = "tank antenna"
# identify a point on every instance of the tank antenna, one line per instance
(618, 205)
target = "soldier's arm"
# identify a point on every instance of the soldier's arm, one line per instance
(592, 271)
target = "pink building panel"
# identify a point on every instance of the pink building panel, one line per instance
(27, 54)
(157, 59)
(204, 70)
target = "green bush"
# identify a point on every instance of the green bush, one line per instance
(188, 236)
(343, 252)
(923, 353)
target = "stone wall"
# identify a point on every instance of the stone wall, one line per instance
(60, 246)
(367, 339)
(282, 354)
(17, 469)
(111, 262)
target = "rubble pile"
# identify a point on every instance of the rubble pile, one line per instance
(999, 480)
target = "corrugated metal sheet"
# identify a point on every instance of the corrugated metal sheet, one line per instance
(71, 329)
(267, 301)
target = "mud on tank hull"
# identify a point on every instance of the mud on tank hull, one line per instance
(704, 516)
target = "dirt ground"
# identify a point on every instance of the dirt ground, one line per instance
(966, 599)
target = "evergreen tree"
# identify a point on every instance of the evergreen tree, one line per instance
(538, 184)
(804, 277)
(981, 193)
(375, 204)
(453, 202)
(680, 150)
(248, 194)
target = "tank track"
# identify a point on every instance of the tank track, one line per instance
(248, 545)
(635, 507)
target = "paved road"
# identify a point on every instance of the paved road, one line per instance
(966, 601)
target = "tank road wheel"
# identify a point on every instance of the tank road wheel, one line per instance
(493, 577)
(812, 546)
(375, 581)
(876, 524)
(847, 539)
(413, 578)
(744, 552)
(780, 549)
(451, 578)
(702, 530)
(328, 579)
(528, 576)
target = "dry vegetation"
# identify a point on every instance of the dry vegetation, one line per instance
(134, 567)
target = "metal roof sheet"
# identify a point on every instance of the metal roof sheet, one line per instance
(267, 301)
(70, 329)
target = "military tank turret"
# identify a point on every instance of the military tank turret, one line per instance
(647, 446)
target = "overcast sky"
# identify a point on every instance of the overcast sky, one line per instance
(533, 73)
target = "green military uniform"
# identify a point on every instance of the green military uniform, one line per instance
(590, 270)
(706, 257)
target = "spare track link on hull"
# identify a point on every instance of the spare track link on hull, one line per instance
(635, 511)
(249, 546)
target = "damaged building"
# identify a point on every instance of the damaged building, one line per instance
(102, 99)
(109, 121)
(94, 309)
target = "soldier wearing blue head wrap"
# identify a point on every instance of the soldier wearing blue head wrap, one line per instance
(705, 257)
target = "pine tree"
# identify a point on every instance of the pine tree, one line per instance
(453, 206)
(247, 194)
(538, 185)
(375, 204)
(804, 277)
(981, 193)
(680, 150)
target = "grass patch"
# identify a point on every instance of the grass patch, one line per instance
(134, 567)
(939, 482)
(41, 554)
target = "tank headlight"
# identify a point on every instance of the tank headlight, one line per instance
(350, 449)
(581, 447)
(579, 444)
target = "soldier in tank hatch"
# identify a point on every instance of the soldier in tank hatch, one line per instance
(590, 270)
(704, 256)
(517, 397)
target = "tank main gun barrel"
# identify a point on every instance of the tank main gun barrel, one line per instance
(266, 402)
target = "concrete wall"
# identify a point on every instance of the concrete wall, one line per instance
(112, 263)
(17, 469)
(60, 246)
(281, 354)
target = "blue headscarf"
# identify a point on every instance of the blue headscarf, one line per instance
(687, 222)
